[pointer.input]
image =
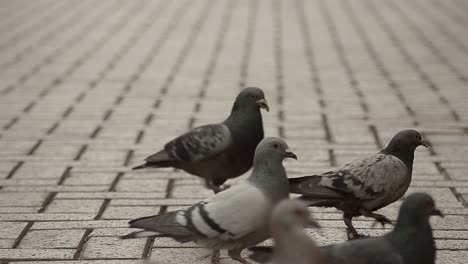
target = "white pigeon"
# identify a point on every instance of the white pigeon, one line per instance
(233, 219)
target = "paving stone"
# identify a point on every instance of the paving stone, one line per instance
(129, 212)
(11, 229)
(52, 239)
(79, 224)
(109, 247)
(6, 243)
(74, 206)
(179, 255)
(147, 185)
(110, 195)
(90, 179)
(31, 254)
(21, 199)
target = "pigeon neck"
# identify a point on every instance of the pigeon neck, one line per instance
(270, 176)
(242, 115)
(414, 240)
(402, 151)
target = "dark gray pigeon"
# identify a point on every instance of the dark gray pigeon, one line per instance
(218, 152)
(292, 244)
(365, 185)
(235, 218)
(411, 241)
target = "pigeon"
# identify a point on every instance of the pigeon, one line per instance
(235, 218)
(218, 152)
(364, 185)
(292, 244)
(410, 242)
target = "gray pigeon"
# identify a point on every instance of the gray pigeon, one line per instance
(221, 151)
(364, 185)
(411, 241)
(235, 218)
(292, 244)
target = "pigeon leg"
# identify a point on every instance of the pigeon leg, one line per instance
(351, 231)
(235, 255)
(382, 219)
(215, 256)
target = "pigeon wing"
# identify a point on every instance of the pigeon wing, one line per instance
(197, 144)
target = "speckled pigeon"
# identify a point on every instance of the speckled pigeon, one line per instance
(411, 241)
(221, 151)
(364, 185)
(235, 218)
(292, 244)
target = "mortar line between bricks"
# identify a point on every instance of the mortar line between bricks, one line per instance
(378, 61)
(40, 22)
(248, 42)
(213, 59)
(455, 17)
(405, 54)
(427, 42)
(375, 134)
(277, 22)
(154, 51)
(69, 110)
(442, 28)
(22, 235)
(459, 5)
(34, 7)
(312, 64)
(131, 41)
(424, 76)
(56, 82)
(48, 36)
(340, 50)
(14, 170)
(81, 245)
(49, 58)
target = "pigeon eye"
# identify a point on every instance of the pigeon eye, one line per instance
(275, 146)
(253, 97)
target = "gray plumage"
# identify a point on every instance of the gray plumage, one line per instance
(411, 241)
(292, 244)
(221, 151)
(235, 218)
(364, 185)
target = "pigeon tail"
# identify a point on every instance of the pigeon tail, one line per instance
(141, 234)
(158, 160)
(295, 183)
(168, 224)
(319, 202)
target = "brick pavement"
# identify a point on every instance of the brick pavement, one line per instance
(89, 88)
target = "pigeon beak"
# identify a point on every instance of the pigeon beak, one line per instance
(424, 143)
(290, 154)
(436, 211)
(263, 104)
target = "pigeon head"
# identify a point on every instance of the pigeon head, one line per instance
(403, 145)
(416, 210)
(273, 149)
(407, 138)
(290, 214)
(251, 98)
